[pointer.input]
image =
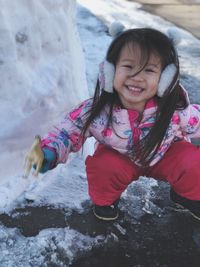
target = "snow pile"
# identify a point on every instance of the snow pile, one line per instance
(52, 247)
(65, 186)
(42, 72)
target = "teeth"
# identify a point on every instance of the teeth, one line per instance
(135, 89)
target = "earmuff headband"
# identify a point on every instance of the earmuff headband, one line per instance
(107, 72)
(107, 69)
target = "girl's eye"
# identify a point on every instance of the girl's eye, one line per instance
(150, 70)
(127, 66)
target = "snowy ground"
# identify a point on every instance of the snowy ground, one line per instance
(149, 232)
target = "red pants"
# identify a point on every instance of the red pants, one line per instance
(109, 172)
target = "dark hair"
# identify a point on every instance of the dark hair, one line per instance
(149, 41)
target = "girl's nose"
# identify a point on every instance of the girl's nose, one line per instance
(137, 76)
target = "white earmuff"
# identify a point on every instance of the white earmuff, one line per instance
(107, 69)
(106, 76)
(166, 79)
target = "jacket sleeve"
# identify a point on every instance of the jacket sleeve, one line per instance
(190, 121)
(66, 136)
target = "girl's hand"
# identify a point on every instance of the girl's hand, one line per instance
(35, 157)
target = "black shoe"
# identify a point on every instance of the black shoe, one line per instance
(106, 213)
(193, 206)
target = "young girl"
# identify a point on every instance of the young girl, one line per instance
(142, 120)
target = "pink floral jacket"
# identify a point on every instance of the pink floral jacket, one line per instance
(127, 129)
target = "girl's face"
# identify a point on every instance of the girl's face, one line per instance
(135, 90)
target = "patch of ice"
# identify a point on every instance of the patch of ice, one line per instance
(137, 199)
(51, 247)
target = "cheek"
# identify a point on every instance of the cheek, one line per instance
(154, 87)
(153, 90)
(116, 80)
(154, 84)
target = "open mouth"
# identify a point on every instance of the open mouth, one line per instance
(135, 90)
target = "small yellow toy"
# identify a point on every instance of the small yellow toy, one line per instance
(34, 157)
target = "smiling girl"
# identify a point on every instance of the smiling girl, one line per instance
(142, 120)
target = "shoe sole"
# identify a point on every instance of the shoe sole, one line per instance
(105, 218)
(182, 207)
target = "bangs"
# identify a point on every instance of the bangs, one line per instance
(141, 52)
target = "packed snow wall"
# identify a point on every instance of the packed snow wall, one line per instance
(42, 72)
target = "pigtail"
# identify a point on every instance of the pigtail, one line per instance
(100, 100)
(147, 148)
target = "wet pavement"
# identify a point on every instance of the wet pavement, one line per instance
(183, 13)
(169, 240)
